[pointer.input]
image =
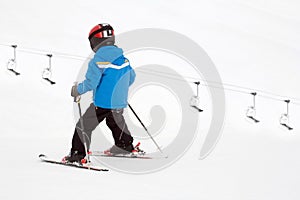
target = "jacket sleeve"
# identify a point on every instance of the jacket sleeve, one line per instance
(92, 78)
(132, 76)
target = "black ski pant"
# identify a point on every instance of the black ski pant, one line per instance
(91, 119)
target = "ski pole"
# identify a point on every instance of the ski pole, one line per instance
(77, 100)
(145, 129)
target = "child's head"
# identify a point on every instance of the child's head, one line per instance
(101, 35)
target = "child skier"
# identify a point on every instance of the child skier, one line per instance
(109, 76)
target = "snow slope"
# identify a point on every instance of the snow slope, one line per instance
(252, 43)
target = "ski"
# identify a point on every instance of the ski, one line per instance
(136, 153)
(44, 158)
(131, 155)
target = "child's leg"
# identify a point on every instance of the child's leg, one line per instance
(91, 119)
(116, 122)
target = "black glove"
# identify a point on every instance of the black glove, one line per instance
(74, 91)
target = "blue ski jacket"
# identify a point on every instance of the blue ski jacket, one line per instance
(109, 76)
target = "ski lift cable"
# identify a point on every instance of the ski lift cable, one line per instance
(203, 84)
(5, 45)
(267, 94)
(30, 52)
(57, 54)
(209, 83)
(227, 84)
(43, 52)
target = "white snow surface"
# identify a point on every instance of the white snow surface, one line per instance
(253, 44)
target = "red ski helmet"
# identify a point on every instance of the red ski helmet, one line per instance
(101, 35)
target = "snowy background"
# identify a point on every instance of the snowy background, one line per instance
(253, 44)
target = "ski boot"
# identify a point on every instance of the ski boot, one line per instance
(119, 150)
(128, 150)
(75, 157)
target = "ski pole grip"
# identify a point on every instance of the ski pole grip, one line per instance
(77, 99)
